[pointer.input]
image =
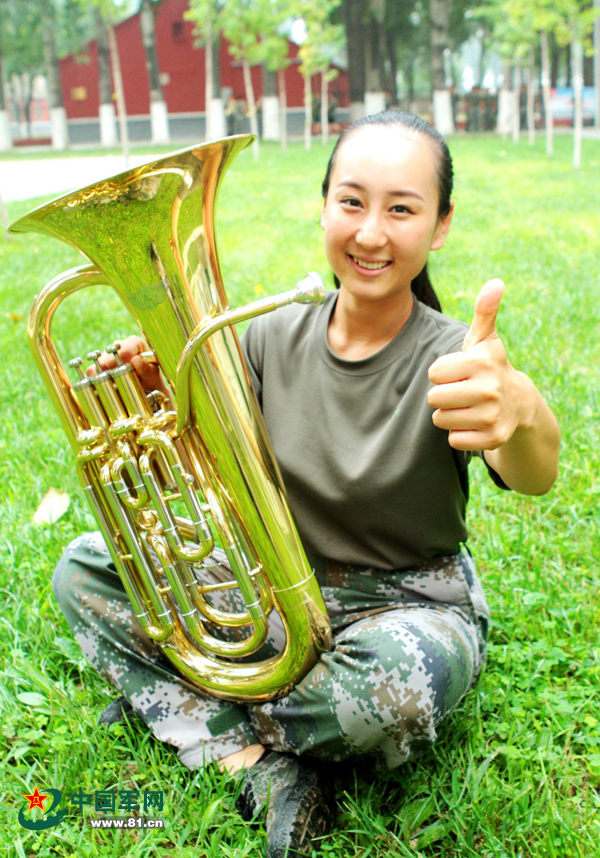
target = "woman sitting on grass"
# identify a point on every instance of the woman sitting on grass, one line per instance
(375, 403)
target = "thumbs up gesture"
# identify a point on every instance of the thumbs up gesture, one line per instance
(477, 393)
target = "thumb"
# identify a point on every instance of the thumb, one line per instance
(486, 310)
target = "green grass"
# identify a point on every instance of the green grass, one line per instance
(516, 772)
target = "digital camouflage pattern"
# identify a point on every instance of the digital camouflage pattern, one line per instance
(407, 646)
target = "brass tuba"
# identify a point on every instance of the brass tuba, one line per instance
(167, 485)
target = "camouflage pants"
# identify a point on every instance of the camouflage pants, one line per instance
(407, 646)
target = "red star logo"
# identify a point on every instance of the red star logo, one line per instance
(35, 800)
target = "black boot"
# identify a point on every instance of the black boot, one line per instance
(116, 712)
(299, 800)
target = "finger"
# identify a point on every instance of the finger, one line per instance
(148, 373)
(483, 325)
(456, 366)
(459, 394)
(463, 419)
(130, 347)
(105, 361)
(467, 440)
(127, 349)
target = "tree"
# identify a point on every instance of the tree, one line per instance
(5, 139)
(439, 11)
(353, 13)
(206, 16)
(108, 12)
(58, 114)
(573, 22)
(274, 50)
(323, 39)
(107, 115)
(374, 37)
(255, 30)
(570, 22)
(23, 53)
(517, 27)
(158, 108)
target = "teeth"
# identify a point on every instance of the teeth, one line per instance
(372, 265)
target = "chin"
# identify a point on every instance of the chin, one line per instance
(374, 291)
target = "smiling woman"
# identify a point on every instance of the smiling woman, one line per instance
(375, 403)
(381, 217)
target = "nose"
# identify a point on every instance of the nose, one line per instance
(371, 231)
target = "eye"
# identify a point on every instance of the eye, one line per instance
(351, 201)
(401, 209)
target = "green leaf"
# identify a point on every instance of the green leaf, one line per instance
(32, 698)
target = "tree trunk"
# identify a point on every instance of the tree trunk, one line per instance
(5, 139)
(505, 103)
(20, 89)
(577, 74)
(353, 12)
(28, 98)
(58, 116)
(531, 97)
(548, 119)
(516, 117)
(374, 93)
(214, 108)
(158, 108)
(442, 101)
(555, 55)
(392, 56)
(118, 84)
(251, 106)
(409, 72)
(597, 62)
(208, 81)
(307, 112)
(282, 108)
(106, 114)
(270, 105)
(324, 107)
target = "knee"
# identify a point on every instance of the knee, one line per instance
(62, 579)
(83, 561)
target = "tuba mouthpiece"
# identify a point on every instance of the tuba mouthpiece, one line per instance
(309, 290)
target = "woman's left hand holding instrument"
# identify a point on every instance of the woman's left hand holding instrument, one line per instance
(486, 404)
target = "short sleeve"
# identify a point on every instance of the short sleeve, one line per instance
(252, 345)
(494, 475)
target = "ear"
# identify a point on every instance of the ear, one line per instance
(441, 230)
(323, 217)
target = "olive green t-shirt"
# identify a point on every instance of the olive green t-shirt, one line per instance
(370, 480)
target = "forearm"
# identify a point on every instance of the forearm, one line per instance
(528, 461)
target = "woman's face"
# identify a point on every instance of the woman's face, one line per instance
(380, 217)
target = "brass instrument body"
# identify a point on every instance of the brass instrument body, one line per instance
(149, 233)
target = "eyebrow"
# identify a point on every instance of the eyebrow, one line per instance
(403, 193)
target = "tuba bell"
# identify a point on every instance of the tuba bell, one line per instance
(168, 484)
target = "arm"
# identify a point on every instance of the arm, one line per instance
(486, 404)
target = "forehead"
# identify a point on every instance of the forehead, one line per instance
(389, 154)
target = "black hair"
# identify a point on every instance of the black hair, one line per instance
(421, 285)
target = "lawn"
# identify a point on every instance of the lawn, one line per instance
(516, 771)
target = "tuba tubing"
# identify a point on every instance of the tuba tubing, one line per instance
(149, 233)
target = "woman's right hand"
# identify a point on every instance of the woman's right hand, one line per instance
(130, 352)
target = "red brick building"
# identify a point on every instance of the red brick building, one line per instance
(182, 75)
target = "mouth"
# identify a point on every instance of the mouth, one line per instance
(372, 266)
